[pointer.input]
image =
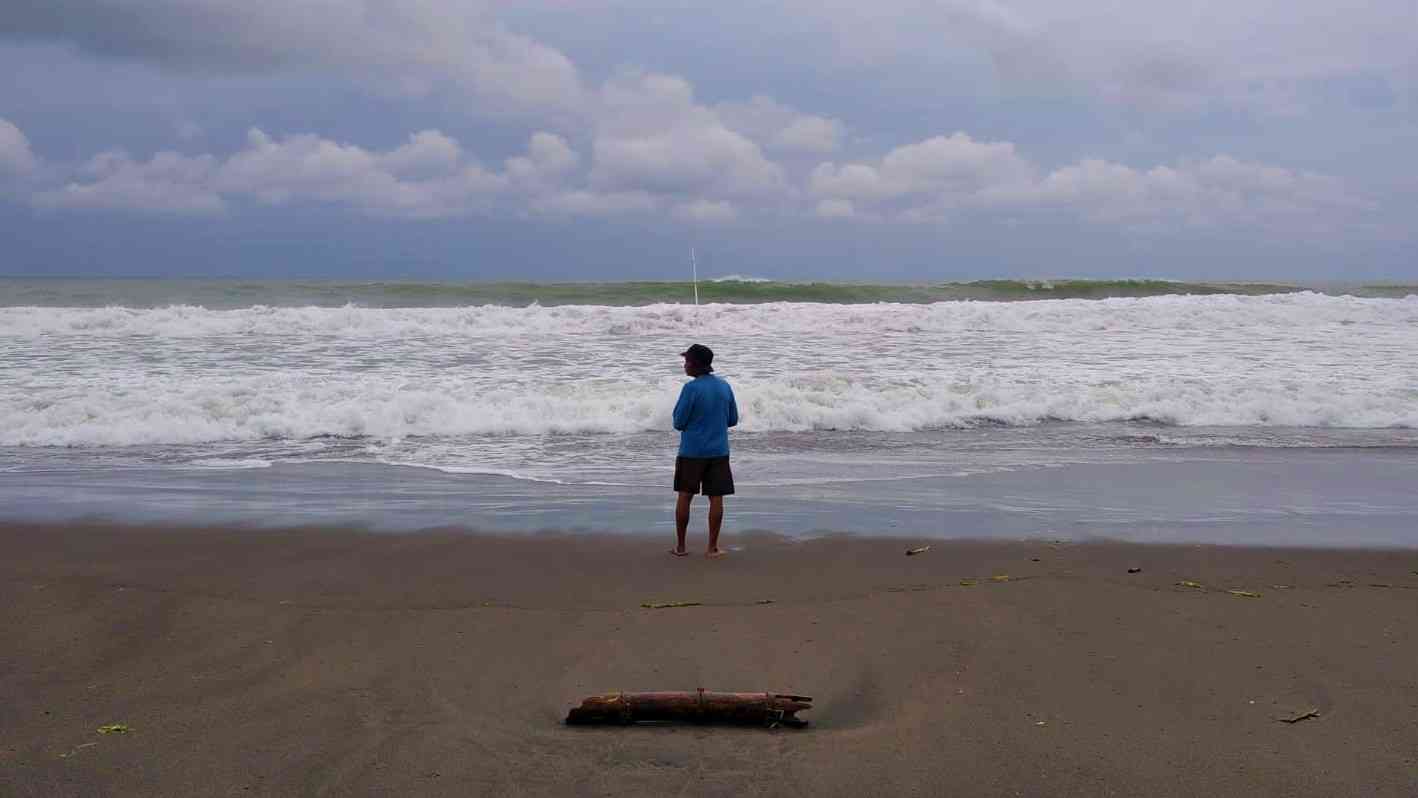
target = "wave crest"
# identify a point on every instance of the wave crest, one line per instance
(185, 411)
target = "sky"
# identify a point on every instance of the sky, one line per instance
(603, 139)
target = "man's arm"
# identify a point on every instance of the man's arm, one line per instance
(733, 410)
(683, 408)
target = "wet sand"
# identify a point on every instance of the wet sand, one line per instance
(335, 662)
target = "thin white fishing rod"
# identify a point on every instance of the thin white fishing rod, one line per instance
(695, 265)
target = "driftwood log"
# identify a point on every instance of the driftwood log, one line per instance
(692, 706)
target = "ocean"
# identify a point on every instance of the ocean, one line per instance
(1068, 409)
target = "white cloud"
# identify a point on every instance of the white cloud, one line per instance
(778, 127)
(427, 177)
(168, 182)
(426, 154)
(15, 154)
(548, 161)
(953, 170)
(310, 168)
(1215, 191)
(699, 171)
(706, 211)
(810, 134)
(653, 136)
(927, 181)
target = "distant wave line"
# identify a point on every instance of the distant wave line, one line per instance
(730, 289)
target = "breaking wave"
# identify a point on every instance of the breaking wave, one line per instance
(184, 374)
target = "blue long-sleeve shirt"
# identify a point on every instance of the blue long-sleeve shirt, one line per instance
(703, 415)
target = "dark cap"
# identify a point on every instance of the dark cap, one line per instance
(700, 355)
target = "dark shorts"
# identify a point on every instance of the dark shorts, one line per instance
(708, 475)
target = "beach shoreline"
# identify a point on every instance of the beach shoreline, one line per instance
(332, 661)
(1339, 497)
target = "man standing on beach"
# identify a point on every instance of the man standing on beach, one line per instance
(703, 415)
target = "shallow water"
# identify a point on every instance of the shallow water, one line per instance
(1330, 498)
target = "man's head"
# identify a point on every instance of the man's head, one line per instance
(698, 359)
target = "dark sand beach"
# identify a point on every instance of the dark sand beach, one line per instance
(335, 662)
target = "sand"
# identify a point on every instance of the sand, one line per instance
(335, 662)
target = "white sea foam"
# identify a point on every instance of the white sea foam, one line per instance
(186, 375)
(229, 464)
(740, 278)
(1181, 314)
(482, 471)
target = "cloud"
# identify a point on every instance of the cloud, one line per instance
(409, 46)
(1161, 80)
(703, 172)
(1266, 56)
(706, 211)
(426, 154)
(928, 180)
(1211, 192)
(653, 136)
(545, 176)
(548, 160)
(1037, 84)
(778, 127)
(1257, 56)
(428, 177)
(951, 170)
(310, 168)
(168, 183)
(16, 157)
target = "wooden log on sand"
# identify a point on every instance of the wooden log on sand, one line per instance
(692, 706)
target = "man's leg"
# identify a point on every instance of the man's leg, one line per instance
(716, 520)
(682, 520)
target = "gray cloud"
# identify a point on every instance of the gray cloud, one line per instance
(181, 35)
(1248, 55)
(406, 46)
(1157, 56)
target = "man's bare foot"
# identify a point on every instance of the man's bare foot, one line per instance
(679, 552)
(714, 554)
